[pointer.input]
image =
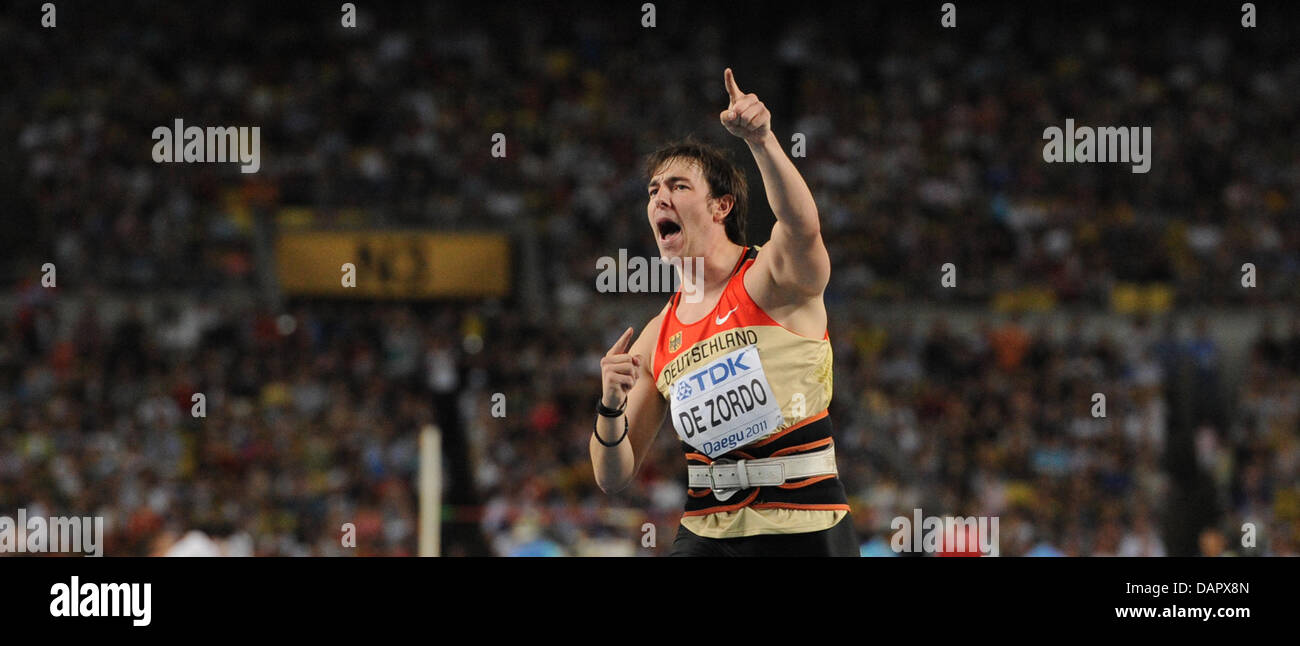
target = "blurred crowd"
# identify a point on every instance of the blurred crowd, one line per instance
(308, 421)
(1008, 422)
(232, 423)
(923, 147)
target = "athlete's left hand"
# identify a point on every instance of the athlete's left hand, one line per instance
(745, 116)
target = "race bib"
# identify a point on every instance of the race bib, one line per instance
(725, 404)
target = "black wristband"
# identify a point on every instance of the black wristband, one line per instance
(616, 443)
(605, 411)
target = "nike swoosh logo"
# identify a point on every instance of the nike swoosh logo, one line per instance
(719, 320)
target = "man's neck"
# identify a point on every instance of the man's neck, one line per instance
(717, 266)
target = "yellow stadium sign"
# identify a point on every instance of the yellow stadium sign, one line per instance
(1131, 298)
(394, 264)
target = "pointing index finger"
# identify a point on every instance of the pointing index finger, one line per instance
(732, 89)
(621, 345)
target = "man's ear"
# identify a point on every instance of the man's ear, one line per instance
(722, 207)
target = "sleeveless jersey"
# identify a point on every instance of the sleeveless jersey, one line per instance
(739, 385)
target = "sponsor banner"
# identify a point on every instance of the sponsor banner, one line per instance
(394, 264)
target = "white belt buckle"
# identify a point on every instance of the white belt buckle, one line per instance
(721, 493)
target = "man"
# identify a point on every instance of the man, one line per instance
(745, 371)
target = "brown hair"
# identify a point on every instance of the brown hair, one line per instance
(722, 174)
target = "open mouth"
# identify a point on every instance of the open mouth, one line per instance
(668, 230)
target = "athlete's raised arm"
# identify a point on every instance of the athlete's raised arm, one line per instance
(794, 259)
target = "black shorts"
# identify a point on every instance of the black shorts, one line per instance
(839, 540)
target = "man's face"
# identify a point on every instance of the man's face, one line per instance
(682, 216)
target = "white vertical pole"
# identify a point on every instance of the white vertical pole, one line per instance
(430, 490)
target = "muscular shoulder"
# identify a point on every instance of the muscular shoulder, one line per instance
(794, 273)
(800, 310)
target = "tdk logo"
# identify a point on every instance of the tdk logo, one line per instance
(720, 372)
